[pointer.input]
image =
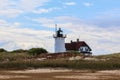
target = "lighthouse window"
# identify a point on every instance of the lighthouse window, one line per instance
(61, 32)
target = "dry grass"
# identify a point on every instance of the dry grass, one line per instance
(25, 61)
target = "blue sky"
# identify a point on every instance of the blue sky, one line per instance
(30, 23)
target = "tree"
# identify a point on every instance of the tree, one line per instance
(37, 51)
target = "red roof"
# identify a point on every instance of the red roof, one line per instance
(76, 45)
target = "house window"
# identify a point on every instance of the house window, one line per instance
(84, 49)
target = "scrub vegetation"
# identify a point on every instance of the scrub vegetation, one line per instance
(22, 59)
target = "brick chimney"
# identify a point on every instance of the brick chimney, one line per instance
(77, 40)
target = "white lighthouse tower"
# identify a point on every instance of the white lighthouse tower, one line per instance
(59, 41)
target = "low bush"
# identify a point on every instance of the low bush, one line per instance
(19, 51)
(2, 50)
(37, 51)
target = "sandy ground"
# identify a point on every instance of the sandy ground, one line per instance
(41, 71)
(59, 74)
(10, 76)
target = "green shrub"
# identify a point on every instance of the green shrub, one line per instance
(37, 51)
(19, 51)
(2, 50)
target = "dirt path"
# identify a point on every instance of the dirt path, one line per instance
(59, 74)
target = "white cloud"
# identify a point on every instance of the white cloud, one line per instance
(107, 18)
(12, 8)
(14, 37)
(11, 12)
(4, 4)
(6, 9)
(70, 3)
(2, 22)
(30, 5)
(87, 4)
(102, 40)
(42, 10)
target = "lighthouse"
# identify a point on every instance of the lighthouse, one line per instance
(59, 41)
